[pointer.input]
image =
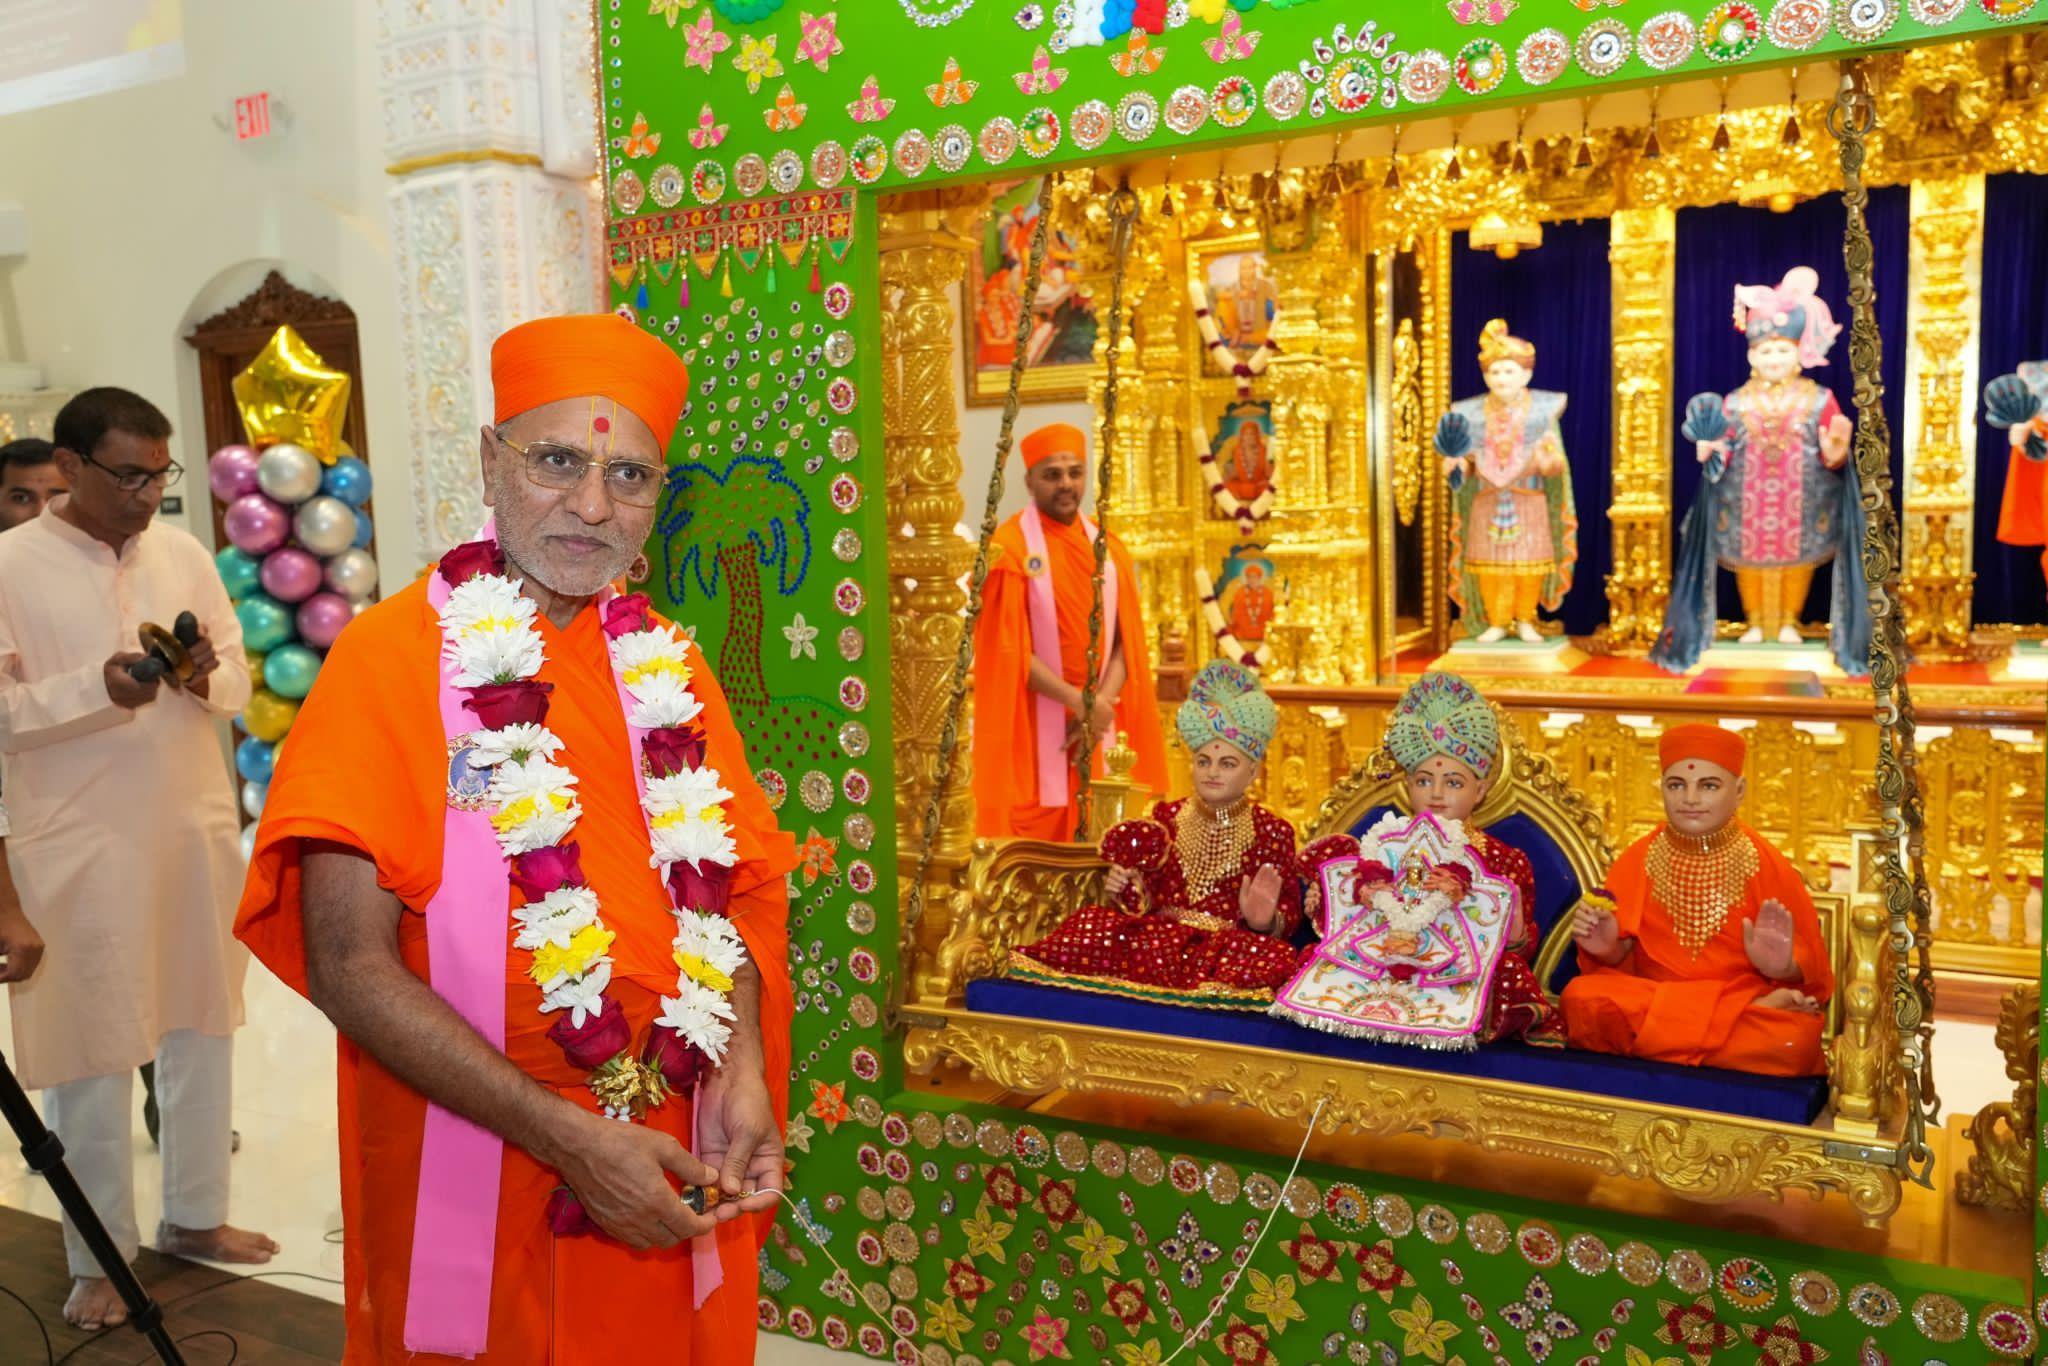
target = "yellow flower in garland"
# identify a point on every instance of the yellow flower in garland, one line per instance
(520, 810)
(1274, 1297)
(1427, 1333)
(703, 973)
(586, 946)
(1098, 1248)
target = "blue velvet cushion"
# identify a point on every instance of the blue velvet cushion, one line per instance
(1792, 1100)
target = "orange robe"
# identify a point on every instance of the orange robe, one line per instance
(1662, 1002)
(1005, 721)
(366, 766)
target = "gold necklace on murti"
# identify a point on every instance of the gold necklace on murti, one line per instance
(1700, 879)
(1211, 844)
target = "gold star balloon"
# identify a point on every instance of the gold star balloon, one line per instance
(288, 394)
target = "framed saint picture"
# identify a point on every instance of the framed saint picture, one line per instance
(1060, 347)
(1242, 298)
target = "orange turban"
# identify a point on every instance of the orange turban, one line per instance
(1058, 439)
(589, 355)
(1710, 744)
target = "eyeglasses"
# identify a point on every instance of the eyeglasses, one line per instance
(135, 481)
(555, 466)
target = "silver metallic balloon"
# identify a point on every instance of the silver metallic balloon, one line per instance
(288, 473)
(253, 795)
(353, 574)
(325, 525)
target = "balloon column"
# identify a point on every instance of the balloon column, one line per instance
(297, 563)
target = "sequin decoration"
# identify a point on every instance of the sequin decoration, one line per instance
(1487, 1233)
(1480, 66)
(1543, 56)
(707, 181)
(1748, 1284)
(773, 786)
(951, 146)
(1934, 13)
(1286, 95)
(843, 442)
(1865, 21)
(860, 830)
(1301, 1197)
(1261, 1191)
(1587, 1254)
(856, 786)
(1603, 46)
(870, 159)
(853, 738)
(1426, 77)
(1438, 1224)
(845, 492)
(1666, 40)
(1688, 1271)
(1031, 1147)
(1941, 1318)
(860, 917)
(852, 644)
(1187, 109)
(1350, 85)
(828, 164)
(1815, 1293)
(1638, 1263)
(1038, 133)
(628, 192)
(1797, 25)
(1538, 1244)
(853, 694)
(785, 171)
(840, 395)
(665, 185)
(860, 875)
(1221, 1181)
(998, 141)
(2005, 1330)
(1347, 1207)
(846, 544)
(1394, 1214)
(750, 174)
(959, 1129)
(1234, 100)
(1146, 1166)
(814, 789)
(1730, 31)
(1137, 116)
(913, 153)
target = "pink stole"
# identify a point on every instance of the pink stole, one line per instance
(455, 1215)
(1054, 777)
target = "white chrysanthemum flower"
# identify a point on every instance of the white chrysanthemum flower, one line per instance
(535, 777)
(639, 655)
(556, 917)
(711, 938)
(660, 700)
(545, 828)
(692, 790)
(489, 748)
(693, 841)
(699, 1014)
(582, 996)
(501, 652)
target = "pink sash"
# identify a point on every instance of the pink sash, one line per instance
(1054, 774)
(455, 1215)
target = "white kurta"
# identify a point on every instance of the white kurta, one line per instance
(124, 843)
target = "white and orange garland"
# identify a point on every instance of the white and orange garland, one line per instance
(1248, 515)
(489, 636)
(1228, 646)
(1244, 370)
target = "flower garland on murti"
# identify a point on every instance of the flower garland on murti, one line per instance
(495, 652)
(1247, 515)
(1243, 371)
(1228, 646)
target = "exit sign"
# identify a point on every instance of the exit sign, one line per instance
(252, 116)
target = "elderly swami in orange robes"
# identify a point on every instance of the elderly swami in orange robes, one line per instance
(1712, 953)
(513, 851)
(1031, 654)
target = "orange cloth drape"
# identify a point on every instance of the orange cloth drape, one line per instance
(1663, 1003)
(1005, 728)
(366, 766)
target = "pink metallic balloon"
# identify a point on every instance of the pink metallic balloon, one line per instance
(321, 618)
(232, 472)
(255, 524)
(290, 574)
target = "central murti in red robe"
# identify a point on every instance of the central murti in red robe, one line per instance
(1036, 602)
(1688, 990)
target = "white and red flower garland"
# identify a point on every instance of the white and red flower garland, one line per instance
(1228, 646)
(1244, 370)
(495, 652)
(1247, 515)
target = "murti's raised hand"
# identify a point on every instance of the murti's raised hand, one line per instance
(1258, 899)
(1768, 940)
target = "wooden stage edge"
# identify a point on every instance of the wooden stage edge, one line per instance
(1930, 1227)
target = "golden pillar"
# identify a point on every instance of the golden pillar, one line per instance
(1944, 274)
(1640, 251)
(1156, 520)
(1341, 314)
(921, 447)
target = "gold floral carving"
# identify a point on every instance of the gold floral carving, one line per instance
(1641, 247)
(2000, 1174)
(1404, 424)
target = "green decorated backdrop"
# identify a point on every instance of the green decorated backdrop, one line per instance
(742, 138)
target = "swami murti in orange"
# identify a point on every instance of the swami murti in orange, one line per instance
(513, 850)
(1712, 953)
(1031, 654)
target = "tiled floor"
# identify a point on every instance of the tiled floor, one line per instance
(285, 1175)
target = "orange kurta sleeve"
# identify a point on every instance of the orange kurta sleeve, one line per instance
(1004, 757)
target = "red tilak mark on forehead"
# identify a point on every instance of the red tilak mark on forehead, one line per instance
(600, 425)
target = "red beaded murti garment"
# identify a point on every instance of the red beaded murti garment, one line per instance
(1519, 1009)
(1189, 947)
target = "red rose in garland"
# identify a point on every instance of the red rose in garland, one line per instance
(626, 614)
(497, 705)
(540, 871)
(602, 1037)
(673, 749)
(470, 559)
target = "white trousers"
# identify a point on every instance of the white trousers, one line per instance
(95, 1118)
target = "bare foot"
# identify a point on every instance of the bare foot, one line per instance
(222, 1244)
(94, 1305)
(1789, 998)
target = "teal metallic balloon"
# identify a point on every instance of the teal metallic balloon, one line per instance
(289, 670)
(237, 570)
(266, 624)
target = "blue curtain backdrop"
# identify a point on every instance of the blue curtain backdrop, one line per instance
(1727, 245)
(1557, 297)
(2014, 329)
